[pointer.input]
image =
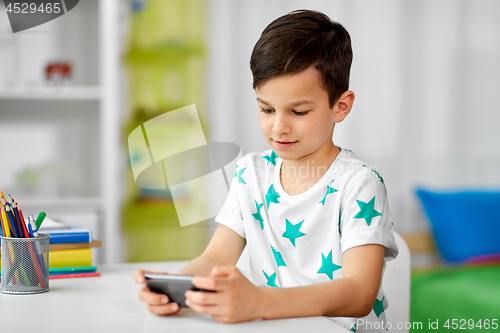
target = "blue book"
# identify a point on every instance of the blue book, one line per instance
(80, 236)
(67, 234)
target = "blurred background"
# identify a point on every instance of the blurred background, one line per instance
(426, 75)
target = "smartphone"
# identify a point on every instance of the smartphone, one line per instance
(174, 286)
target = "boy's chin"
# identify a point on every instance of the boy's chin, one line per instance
(286, 155)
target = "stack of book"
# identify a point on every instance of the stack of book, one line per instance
(70, 250)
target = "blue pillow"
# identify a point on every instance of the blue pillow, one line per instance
(465, 222)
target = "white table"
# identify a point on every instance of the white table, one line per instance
(109, 303)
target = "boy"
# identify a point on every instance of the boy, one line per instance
(315, 219)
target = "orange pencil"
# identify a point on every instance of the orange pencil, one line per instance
(3, 196)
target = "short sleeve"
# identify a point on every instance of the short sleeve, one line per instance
(365, 215)
(230, 213)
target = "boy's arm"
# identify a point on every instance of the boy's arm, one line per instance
(237, 299)
(224, 249)
(353, 295)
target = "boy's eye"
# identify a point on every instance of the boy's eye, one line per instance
(301, 113)
(298, 113)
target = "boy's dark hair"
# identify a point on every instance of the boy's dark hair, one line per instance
(298, 40)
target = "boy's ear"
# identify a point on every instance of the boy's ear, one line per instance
(343, 106)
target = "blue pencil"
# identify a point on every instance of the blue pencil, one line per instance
(13, 223)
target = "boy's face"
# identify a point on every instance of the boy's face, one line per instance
(295, 115)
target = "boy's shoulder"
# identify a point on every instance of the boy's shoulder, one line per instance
(354, 168)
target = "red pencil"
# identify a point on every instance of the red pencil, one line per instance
(36, 264)
(74, 275)
(23, 223)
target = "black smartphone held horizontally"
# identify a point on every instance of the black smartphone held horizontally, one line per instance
(174, 286)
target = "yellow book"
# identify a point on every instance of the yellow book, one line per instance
(70, 258)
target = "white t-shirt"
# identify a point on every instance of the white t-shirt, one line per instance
(299, 240)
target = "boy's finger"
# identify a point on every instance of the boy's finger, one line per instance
(149, 297)
(210, 282)
(202, 298)
(163, 310)
(203, 309)
(139, 275)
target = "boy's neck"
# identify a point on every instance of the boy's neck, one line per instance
(314, 166)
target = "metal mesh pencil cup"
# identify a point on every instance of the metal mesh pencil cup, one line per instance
(25, 265)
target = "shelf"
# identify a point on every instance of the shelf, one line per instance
(52, 93)
(71, 202)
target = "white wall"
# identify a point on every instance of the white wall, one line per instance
(426, 76)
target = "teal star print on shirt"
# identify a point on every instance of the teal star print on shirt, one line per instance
(271, 196)
(271, 158)
(278, 257)
(378, 307)
(379, 177)
(367, 211)
(327, 265)
(239, 175)
(257, 215)
(292, 231)
(271, 280)
(353, 329)
(329, 190)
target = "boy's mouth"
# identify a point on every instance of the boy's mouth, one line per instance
(284, 144)
(285, 141)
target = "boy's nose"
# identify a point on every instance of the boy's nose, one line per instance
(281, 124)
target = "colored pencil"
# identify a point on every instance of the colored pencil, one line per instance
(12, 221)
(4, 233)
(21, 270)
(21, 220)
(8, 227)
(5, 222)
(36, 264)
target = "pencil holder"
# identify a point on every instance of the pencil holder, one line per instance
(25, 265)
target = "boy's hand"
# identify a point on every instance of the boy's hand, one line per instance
(236, 299)
(157, 304)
